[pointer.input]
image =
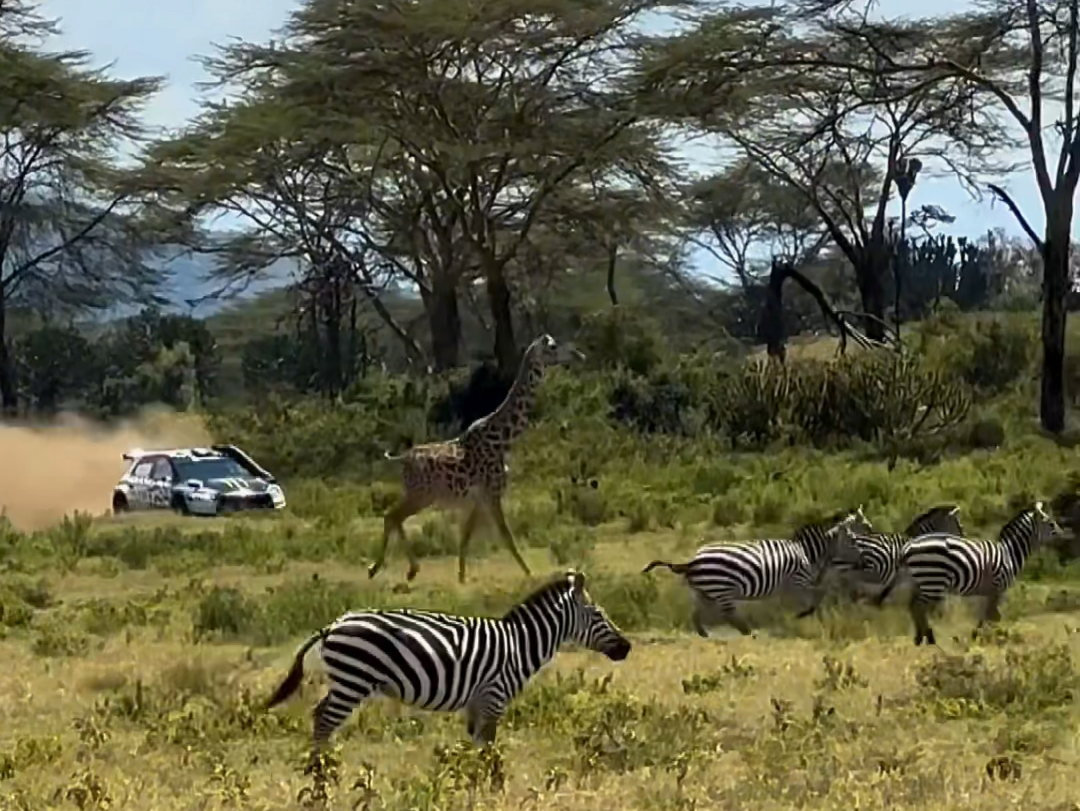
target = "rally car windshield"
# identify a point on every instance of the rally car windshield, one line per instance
(206, 469)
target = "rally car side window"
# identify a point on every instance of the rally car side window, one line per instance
(162, 470)
(142, 470)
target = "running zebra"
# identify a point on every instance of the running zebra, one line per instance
(880, 552)
(722, 574)
(447, 662)
(942, 563)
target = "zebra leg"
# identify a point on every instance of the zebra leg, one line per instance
(482, 722)
(991, 612)
(919, 608)
(466, 535)
(882, 595)
(697, 619)
(328, 715)
(733, 619)
(817, 594)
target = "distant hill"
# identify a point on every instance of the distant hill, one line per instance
(188, 288)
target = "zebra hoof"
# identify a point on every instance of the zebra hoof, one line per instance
(373, 570)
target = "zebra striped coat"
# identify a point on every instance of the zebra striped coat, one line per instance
(940, 564)
(722, 574)
(447, 662)
(880, 553)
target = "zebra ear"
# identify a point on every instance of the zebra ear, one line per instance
(577, 581)
(955, 510)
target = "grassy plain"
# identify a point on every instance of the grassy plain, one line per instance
(138, 651)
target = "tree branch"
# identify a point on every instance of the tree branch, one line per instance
(1002, 195)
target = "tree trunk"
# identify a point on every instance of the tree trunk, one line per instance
(1055, 291)
(506, 354)
(9, 399)
(444, 320)
(872, 295)
(612, 262)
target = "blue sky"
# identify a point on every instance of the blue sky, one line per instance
(146, 38)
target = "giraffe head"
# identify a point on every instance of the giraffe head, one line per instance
(546, 351)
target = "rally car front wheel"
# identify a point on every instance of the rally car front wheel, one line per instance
(179, 505)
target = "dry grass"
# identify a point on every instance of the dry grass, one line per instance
(139, 716)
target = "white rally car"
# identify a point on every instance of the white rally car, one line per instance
(195, 481)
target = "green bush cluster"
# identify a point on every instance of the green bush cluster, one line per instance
(632, 379)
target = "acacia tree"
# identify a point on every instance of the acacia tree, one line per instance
(837, 129)
(72, 231)
(481, 114)
(744, 210)
(282, 173)
(1009, 50)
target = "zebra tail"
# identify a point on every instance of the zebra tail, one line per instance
(295, 677)
(677, 568)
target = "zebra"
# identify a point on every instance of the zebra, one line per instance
(879, 553)
(942, 563)
(721, 574)
(447, 662)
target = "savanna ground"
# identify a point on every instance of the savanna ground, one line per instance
(139, 649)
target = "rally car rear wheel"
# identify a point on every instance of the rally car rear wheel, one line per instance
(119, 504)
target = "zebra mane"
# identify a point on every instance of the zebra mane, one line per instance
(1029, 513)
(828, 521)
(558, 583)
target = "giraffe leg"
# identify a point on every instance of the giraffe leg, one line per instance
(394, 520)
(494, 506)
(466, 535)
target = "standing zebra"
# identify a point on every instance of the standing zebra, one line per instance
(447, 662)
(722, 574)
(880, 552)
(942, 563)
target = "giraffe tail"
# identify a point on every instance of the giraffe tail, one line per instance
(677, 568)
(295, 676)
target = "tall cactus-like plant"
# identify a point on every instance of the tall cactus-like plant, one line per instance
(945, 267)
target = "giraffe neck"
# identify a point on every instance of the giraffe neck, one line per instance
(511, 418)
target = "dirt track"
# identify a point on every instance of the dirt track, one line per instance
(48, 471)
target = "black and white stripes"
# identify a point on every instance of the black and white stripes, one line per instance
(939, 564)
(724, 573)
(880, 552)
(447, 662)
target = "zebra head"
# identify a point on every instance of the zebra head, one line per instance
(942, 518)
(1046, 527)
(840, 538)
(590, 626)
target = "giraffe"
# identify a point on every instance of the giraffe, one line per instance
(470, 470)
